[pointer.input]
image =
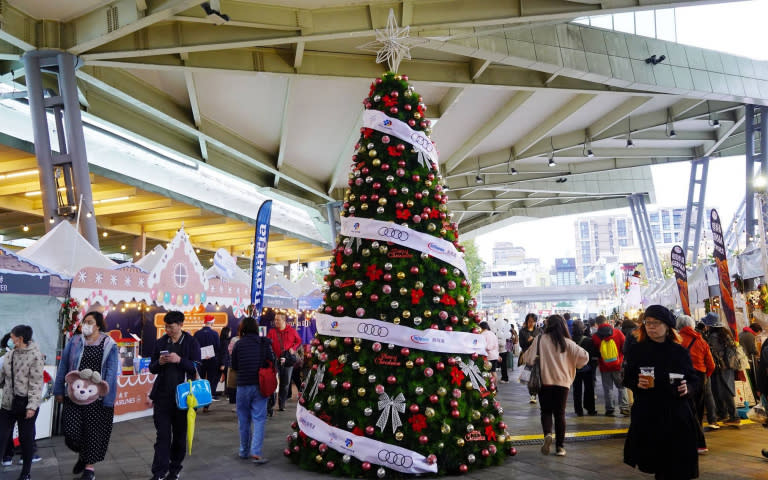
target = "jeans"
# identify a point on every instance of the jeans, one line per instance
(552, 400)
(26, 435)
(609, 380)
(251, 411)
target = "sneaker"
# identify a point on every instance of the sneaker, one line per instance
(547, 444)
(173, 476)
(158, 477)
(713, 426)
(625, 411)
(259, 460)
(764, 452)
(7, 461)
(35, 458)
(609, 413)
(734, 422)
(88, 475)
(702, 450)
(560, 452)
(504, 381)
(79, 467)
(24, 476)
(533, 399)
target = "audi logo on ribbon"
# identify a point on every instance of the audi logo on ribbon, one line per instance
(394, 458)
(393, 233)
(422, 141)
(374, 330)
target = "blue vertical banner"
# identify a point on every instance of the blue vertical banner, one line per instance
(259, 267)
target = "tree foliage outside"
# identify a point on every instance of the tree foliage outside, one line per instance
(475, 264)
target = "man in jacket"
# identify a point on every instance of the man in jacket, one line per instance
(703, 364)
(208, 340)
(174, 360)
(609, 342)
(285, 343)
(748, 341)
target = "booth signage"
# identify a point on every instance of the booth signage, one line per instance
(193, 322)
(259, 266)
(681, 277)
(726, 297)
(25, 284)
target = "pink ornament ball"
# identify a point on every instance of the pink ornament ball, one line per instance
(322, 448)
(428, 372)
(405, 351)
(423, 439)
(330, 465)
(484, 452)
(414, 408)
(431, 458)
(313, 443)
(369, 430)
(379, 389)
(366, 466)
(463, 468)
(414, 270)
(360, 312)
(434, 398)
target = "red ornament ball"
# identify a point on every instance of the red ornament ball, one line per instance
(463, 468)
(391, 379)
(434, 398)
(405, 351)
(423, 439)
(369, 430)
(414, 408)
(330, 465)
(414, 270)
(366, 466)
(484, 452)
(512, 451)
(455, 413)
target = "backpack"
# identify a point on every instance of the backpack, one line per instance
(608, 351)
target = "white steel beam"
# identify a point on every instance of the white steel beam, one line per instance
(543, 129)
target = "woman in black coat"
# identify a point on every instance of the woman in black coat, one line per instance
(662, 432)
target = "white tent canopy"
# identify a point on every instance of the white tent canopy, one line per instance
(148, 261)
(64, 250)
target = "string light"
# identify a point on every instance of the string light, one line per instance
(25, 227)
(105, 234)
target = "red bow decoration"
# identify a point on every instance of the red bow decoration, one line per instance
(373, 273)
(403, 214)
(490, 434)
(456, 376)
(447, 300)
(393, 151)
(418, 422)
(367, 132)
(335, 367)
(373, 89)
(416, 296)
(389, 101)
(420, 109)
(339, 259)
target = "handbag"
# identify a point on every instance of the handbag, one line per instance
(200, 388)
(268, 379)
(231, 378)
(19, 402)
(534, 382)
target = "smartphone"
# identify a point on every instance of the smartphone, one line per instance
(164, 352)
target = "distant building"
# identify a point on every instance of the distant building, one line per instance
(565, 272)
(600, 236)
(511, 269)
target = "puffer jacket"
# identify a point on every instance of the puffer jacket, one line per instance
(28, 367)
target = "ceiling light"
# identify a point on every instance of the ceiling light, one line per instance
(552, 162)
(18, 174)
(109, 200)
(479, 180)
(25, 228)
(513, 171)
(105, 234)
(759, 182)
(89, 214)
(122, 247)
(590, 153)
(672, 133)
(715, 123)
(630, 143)
(197, 250)
(137, 254)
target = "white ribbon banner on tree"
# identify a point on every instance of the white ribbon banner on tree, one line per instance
(363, 448)
(430, 339)
(404, 236)
(382, 122)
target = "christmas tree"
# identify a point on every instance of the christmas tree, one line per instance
(399, 382)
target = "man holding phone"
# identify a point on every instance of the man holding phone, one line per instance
(174, 360)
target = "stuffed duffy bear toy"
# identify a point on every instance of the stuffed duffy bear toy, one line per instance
(85, 386)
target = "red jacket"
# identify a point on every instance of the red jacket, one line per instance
(605, 331)
(701, 357)
(288, 337)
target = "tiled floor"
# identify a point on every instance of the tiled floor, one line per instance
(735, 453)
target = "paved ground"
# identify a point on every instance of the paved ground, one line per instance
(735, 453)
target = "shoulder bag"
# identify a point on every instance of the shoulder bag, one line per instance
(267, 376)
(531, 374)
(19, 402)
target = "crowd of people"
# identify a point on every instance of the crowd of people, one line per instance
(665, 372)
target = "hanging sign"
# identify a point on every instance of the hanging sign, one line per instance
(726, 297)
(681, 277)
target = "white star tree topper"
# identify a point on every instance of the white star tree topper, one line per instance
(392, 43)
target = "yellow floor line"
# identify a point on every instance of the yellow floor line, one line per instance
(591, 433)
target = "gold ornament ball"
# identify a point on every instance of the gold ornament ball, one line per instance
(419, 285)
(344, 402)
(396, 320)
(366, 252)
(409, 364)
(376, 162)
(460, 442)
(335, 296)
(431, 227)
(409, 203)
(465, 321)
(372, 153)
(364, 207)
(361, 391)
(359, 294)
(399, 436)
(382, 201)
(427, 313)
(406, 314)
(403, 291)
(352, 197)
(331, 400)
(416, 115)
(440, 445)
(363, 370)
(441, 391)
(319, 458)
(383, 249)
(342, 359)
(357, 348)
(344, 267)
(445, 429)
(401, 275)
(428, 183)
(443, 231)
(443, 208)
(468, 385)
(429, 412)
(460, 299)
(475, 415)
(358, 340)
(501, 438)
(333, 343)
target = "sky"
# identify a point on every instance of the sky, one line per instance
(734, 28)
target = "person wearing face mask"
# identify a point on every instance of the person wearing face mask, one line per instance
(21, 380)
(87, 428)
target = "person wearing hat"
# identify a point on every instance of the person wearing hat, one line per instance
(723, 347)
(662, 435)
(209, 354)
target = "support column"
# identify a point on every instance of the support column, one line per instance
(694, 209)
(645, 237)
(757, 163)
(333, 209)
(66, 169)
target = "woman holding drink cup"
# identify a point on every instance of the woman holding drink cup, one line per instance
(662, 437)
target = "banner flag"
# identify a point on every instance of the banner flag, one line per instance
(681, 276)
(259, 267)
(726, 297)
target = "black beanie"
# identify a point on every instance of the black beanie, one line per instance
(661, 313)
